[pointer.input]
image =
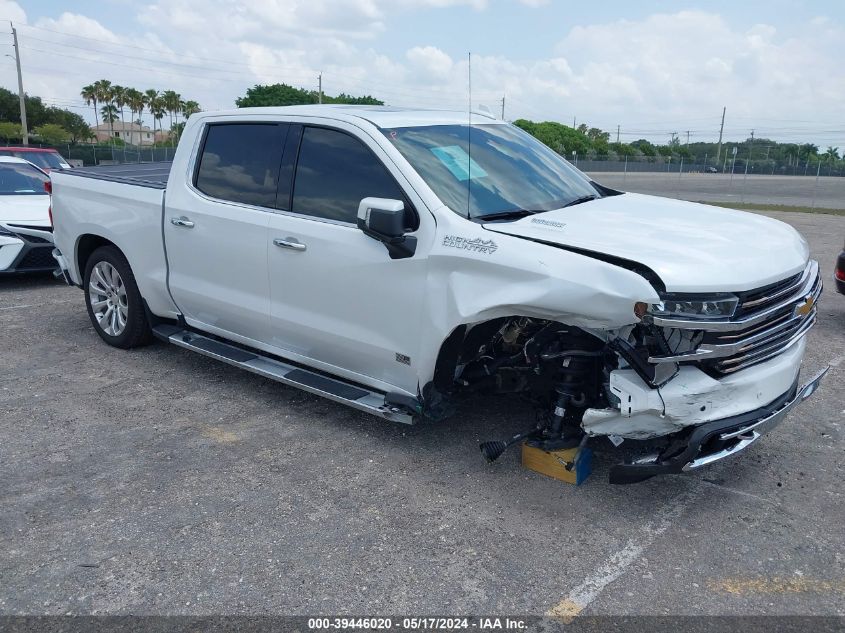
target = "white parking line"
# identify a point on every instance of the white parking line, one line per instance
(618, 562)
(16, 307)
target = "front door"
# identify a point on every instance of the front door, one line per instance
(337, 299)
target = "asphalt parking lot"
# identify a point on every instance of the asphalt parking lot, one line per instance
(157, 481)
(800, 191)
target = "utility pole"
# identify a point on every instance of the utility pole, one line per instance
(320, 88)
(687, 139)
(721, 131)
(573, 123)
(750, 151)
(24, 128)
(617, 133)
(503, 107)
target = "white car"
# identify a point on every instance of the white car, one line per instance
(26, 238)
(397, 260)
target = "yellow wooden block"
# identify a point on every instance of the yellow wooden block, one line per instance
(571, 465)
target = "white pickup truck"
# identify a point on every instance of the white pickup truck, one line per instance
(396, 260)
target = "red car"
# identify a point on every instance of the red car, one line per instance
(45, 158)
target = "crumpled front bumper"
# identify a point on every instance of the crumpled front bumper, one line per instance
(716, 440)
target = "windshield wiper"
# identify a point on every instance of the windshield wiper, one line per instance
(580, 200)
(513, 214)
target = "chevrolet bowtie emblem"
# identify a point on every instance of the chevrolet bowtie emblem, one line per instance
(803, 309)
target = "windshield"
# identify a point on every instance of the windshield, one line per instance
(502, 169)
(19, 179)
(45, 160)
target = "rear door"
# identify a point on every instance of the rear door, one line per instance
(215, 229)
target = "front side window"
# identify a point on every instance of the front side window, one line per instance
(20, 179)
(489, 169)
(240, 162)
(334, 173)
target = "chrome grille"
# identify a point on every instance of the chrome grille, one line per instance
(767, 322)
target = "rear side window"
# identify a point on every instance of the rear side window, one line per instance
(21, 179)
(240, 162)
(334, 173)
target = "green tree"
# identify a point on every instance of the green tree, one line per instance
(89, 93)
(52, 134)
(10, 131)
(150, 99)
(275, 95)
(832, 154)
(350, 100)
(109, 114)
(285, 95)
(104, 95)
(118, 97)
(158, 110)
(135, 102)
(189, 108)
(644, 146)
(73, 123)
(172, 102)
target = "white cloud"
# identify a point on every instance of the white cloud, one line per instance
(664, 72)
(12, 11)
(431, 61)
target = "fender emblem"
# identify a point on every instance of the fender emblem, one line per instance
(488, 247)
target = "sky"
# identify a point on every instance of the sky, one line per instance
(650, 67)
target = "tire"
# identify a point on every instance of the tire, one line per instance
(114, 303)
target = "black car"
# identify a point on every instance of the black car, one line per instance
(839, 273)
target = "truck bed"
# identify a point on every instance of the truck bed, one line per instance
(152, 175)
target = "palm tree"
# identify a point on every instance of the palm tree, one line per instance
(103, 89)
(150, 96)
(89, 93)
(109, 112)
(135, 101)
(172, 101)
(118, 96)
(158, 110)
(832, 153)
(189, 108)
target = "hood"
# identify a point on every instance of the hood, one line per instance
(691, 247)
(32, 209)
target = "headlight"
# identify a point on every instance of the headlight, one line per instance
(720, 306)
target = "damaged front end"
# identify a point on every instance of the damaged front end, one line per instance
(703, 375)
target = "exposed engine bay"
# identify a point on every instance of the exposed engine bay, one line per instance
(562, 370)
(639, 382)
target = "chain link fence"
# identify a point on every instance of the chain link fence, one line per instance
(108, 154)
(708, 164)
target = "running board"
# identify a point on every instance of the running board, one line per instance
(346, 393)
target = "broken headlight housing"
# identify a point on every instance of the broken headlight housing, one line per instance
(692, 307)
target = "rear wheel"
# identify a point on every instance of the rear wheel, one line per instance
(113, 300)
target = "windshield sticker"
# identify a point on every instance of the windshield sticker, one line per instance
(488, 247)
(549, 223)
(457, 161)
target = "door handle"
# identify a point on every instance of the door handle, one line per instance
(290, 242)
(183, 221)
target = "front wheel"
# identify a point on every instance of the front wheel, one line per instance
(113, 300)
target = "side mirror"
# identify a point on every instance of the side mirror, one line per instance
(383, 219)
